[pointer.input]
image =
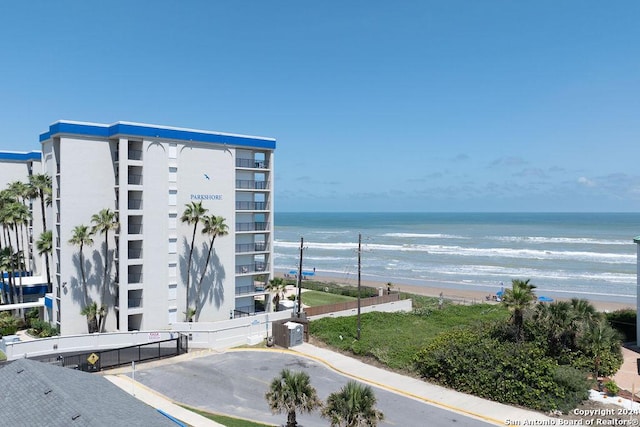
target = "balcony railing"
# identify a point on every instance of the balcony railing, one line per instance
(134, 278)
(251, 206)
(250, 184)
(134, 228)
(134, 179)
(244, 290)
(256, 267)
(134, 302)
(134, 154)
(251, 247)
(252, 163)
(134, 253)
(134, 204)
(252, 226)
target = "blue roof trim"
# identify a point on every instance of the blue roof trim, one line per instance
(20, 157)
(48, 301)
(139, 130)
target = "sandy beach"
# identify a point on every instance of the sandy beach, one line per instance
(460, 295)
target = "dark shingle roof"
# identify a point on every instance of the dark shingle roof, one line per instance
(38, 394)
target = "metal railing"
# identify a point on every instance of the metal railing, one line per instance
(251, 268)
(98, 360)
(252, 163)
(251, 206)
(252, 226)
(250, 184)
(251, 247)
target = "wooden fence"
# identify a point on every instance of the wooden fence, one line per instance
(350, 305)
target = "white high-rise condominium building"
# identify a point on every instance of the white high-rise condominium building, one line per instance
(19, 167)
(148, 175)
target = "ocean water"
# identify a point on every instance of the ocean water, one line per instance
(564, 254)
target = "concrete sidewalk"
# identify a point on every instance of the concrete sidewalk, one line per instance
(627, 377)
(158, 401)
(473, 406)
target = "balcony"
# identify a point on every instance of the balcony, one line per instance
(134, 179)
(256, 267)
(251, 247)
(251, 206)
(134, 154)
(134, 303)
(252, 164)
(250, 184)
(247, 290)
(134, 253)
(133, 228)
(134, 204)
(252, 226)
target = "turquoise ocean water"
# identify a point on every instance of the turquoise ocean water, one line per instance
(564, 254)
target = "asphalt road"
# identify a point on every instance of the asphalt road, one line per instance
(235, 383)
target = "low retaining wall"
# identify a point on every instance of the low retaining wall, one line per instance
(213, 335)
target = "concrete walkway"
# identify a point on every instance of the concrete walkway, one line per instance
(158, 401)
(473, 406)
(627, 377)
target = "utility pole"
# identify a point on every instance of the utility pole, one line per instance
(359, 268)
(300, 277)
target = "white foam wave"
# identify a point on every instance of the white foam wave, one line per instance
(428, 236)
(560, 240)
(462, 251)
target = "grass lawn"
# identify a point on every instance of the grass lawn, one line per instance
(227, 421)
(394, 338)
(315, 298)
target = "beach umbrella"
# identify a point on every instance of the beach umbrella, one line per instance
(500, 293)
(545, 299)
(308, 273)
(293, 272)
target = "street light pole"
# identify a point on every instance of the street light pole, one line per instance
(300, 277)
(359, 281)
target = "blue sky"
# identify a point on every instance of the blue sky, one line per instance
(477, 105)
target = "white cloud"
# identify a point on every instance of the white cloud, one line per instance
(586, 182)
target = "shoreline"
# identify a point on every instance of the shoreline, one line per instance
(452, 292)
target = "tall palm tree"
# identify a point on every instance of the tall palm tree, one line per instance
(192, 215)
(18, 215)
(597, 340)
(213, 226)
(352, 406)
(292, 392)
(22, 192)
(5, 266)
(103, 222)
(277, 286)
(82, 237)
(41, 185)
(519, 299)
(44, 245)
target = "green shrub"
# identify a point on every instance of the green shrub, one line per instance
(9, 325)
(42, 329)
(624, 321)
(612, 387)
(31, 315)
(471, 361)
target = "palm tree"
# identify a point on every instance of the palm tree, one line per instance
(92, 313)
(213, 226)
(5, 266)
(41, 185)
(292, 392)
(45, 246)
(352, 406)
(104, 221)
(192, 214)
(519, 299)
(276, 285)
(17, 215)
(22, 192)
(597, 340)
(82, 237)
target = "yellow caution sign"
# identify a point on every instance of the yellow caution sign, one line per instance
(93, 358)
